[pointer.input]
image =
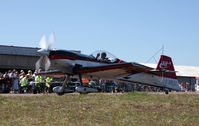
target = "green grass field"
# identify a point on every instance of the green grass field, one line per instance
(101, 109)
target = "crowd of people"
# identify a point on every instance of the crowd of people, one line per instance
(20, 82)
(30, 82)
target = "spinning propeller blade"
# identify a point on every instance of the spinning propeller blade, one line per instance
(38, 63)
(44, 52)
(47, 63)
(42, 42)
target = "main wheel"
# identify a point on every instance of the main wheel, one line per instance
(166, 92)
(60, 93)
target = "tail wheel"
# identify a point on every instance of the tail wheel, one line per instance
(166, 92)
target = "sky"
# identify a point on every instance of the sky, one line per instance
(133, 30)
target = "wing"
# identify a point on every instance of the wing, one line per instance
(112, 71)
(53, 73)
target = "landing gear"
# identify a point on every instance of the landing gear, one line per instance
(60, 89)
(80, 79)
(166, 91)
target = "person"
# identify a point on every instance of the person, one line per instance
(21, 75)
(103, 57)
(48, 85)
(16, 82)
(97, 55)
(37, 85)
(31, 77)
(34, 75)
(6, 76)
(30, 81)
(23, 84)
(12, 77)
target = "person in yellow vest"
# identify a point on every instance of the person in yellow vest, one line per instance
(38, 79)
(37, 85)
(23, 83)
(30, 80)
(48, 85)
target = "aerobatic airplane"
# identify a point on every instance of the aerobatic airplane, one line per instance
(103, 65)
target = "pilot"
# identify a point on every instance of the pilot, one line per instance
(97, 55)
(103, 57)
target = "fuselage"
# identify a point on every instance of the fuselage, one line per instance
(66, 60)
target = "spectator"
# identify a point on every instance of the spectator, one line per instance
(31, 78)
(6, 76)
(16, 82)
(12, 76)
(21, 75)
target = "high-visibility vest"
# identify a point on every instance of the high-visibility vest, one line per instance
(48, 79)
(38, 79)
(24, 82)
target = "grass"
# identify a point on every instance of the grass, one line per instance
(101, 109)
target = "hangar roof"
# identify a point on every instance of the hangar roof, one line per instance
(23, 51)
(16, 50)
(189, 71)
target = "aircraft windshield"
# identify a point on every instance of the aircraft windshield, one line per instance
(104, 56)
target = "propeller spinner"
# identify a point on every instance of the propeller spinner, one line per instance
(44, 52)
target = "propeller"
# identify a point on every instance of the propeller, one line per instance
(44, 52)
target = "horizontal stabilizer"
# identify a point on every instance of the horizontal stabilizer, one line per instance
(162, 71)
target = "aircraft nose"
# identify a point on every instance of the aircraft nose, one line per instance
(43, 52)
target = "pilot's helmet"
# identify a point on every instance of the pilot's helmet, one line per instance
(103, 54)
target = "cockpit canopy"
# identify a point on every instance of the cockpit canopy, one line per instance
(104, 56)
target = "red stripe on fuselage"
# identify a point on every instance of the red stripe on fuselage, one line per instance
(61, 57)
(105, 68)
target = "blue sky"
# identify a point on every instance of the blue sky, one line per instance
(133, 30)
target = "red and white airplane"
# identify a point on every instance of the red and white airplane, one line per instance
(103, 65)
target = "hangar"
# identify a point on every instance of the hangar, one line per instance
(186, 75)
(14, 57)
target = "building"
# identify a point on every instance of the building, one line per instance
(14, 57)
(186, 75)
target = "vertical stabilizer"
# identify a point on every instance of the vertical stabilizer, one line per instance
(165, 63)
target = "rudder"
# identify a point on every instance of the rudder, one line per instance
(165, 63)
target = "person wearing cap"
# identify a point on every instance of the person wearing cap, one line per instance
(21, 75)
(24, 83)
(30, 81)
(30, 75)
(37, 85)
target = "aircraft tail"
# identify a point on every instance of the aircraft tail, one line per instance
(165, 64)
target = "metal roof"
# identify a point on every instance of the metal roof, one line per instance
(16, 50)
(22, 51)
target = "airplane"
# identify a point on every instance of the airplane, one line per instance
(103, 65)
